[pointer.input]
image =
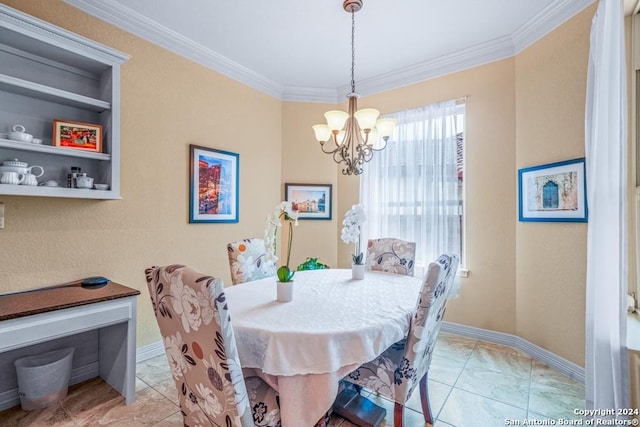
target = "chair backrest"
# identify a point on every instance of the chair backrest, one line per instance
(193, 317)
(247, 260)
(391, 255)
(428, 315)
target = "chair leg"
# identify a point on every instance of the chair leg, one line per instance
(324, 420)
(424, 399)
(398, 415)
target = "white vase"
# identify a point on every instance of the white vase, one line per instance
(284, 291)
(357, 271)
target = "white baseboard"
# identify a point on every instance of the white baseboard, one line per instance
(568, 368)
(149, 351)
(10, 398)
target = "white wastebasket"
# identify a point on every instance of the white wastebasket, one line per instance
(43, 379)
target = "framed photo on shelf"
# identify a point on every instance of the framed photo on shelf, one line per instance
(312, 201)
(76, 135)
(214, 181)
(555, 192)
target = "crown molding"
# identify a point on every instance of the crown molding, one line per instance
(470, 57)
(544, 22)
(309, 94)
(143, 27)
(550, 18)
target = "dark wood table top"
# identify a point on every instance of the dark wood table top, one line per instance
(57, 297)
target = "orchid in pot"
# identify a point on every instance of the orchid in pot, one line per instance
(283, 212)
(351, 227)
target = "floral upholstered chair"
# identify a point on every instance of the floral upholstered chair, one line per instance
(193, 317)
(396, 372)
(247, 260)
(391, 255)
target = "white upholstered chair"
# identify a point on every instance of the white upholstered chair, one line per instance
(247, 260)
(192, 313)
(396, 372)
(391, 255)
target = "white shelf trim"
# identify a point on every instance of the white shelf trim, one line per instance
(25, 87)
(39, 29)
(70, 193)
(48, 149)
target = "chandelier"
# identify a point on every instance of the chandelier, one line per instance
(357, 134)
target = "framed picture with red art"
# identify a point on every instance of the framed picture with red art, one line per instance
(213, 186)
(76, 135)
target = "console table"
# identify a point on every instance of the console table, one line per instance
(40, 315)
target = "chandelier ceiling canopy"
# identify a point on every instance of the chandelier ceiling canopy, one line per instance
(353, 137)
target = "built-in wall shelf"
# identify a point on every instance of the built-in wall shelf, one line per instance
(47, 93)
(48, 73)
(58, 151)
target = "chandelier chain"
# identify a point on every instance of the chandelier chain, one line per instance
(353, 50)
(342, 136)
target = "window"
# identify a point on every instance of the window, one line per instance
(413, 189)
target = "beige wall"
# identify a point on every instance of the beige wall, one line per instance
(303, 163)
(551, 257)
(168, 102)
(525, 279)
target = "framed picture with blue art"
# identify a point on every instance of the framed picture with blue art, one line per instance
(312, 201)
(555, 192)
(213, 189)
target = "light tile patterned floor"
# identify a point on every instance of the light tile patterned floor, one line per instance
(471, 383)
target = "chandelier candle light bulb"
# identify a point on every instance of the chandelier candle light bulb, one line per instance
(356, 134)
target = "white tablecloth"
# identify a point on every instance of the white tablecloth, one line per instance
(333, 325)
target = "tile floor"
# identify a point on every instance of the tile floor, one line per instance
(471, 383)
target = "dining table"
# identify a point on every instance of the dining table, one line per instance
(333, 324)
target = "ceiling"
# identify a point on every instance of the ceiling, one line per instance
(300, 49)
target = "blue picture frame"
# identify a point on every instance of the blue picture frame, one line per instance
(555, 192)
(214, 186)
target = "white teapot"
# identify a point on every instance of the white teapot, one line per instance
(13, 178)
(16, 165)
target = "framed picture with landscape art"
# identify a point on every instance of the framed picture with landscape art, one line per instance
(214, 185)
(312, 201)
(76, 135)
(555, 192)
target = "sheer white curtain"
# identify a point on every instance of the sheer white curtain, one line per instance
(410, 189)
(606, 168)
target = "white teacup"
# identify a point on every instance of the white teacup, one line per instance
(30, 179)
(84, 182)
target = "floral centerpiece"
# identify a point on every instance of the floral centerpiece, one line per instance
(351, 226)
(283, 212)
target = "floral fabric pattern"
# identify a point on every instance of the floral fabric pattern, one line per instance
(397, 371)
(391, 255)
(248, 261)
(193, 317)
